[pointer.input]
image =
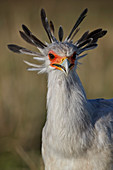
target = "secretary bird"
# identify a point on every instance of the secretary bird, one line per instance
(78, 133)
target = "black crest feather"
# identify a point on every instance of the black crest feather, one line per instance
(46, 25)
(18, 49)
(25, 37)
(87, 41)
(60, 33)
(83, 37)
(15, 48)
(90, 38)
(52, 27)
(74, 34)
(30, 38)
(80, 19)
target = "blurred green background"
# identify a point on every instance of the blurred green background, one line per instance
(23, 94)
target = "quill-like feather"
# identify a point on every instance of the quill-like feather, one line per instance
(29, 37)
(80, 19)
(60, 33)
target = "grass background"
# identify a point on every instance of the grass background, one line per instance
(23, 94)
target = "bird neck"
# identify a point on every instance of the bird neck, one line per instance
(68, 115)
(66, 101)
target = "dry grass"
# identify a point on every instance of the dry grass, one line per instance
(23, 94)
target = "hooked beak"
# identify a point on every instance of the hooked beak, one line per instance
(64, 66)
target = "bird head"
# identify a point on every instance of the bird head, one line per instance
(58, 55)
(61, 56)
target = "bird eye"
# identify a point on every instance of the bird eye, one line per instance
(74, 56)
(51, 56)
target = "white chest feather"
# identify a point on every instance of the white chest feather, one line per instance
(68, 120)
(68, 136)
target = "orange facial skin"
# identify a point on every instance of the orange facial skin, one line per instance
(56, 60)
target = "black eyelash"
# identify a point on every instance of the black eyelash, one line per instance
(51, 56)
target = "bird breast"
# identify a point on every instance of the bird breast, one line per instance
(67, 130)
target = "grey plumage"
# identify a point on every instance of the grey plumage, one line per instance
(78, 133)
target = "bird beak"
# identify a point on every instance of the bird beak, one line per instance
(65, 65)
